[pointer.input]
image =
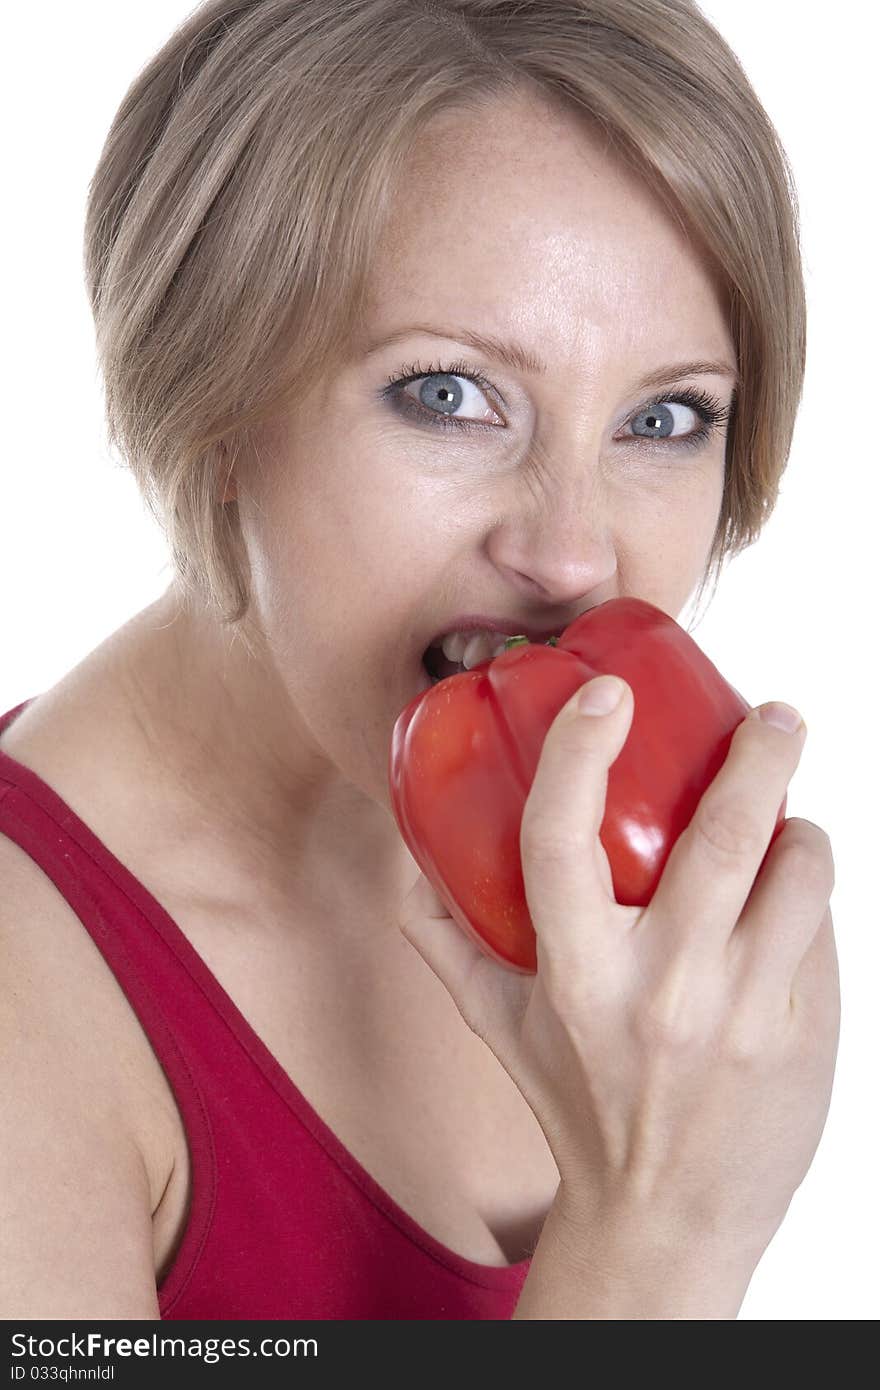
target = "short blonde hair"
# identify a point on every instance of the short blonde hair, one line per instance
(237, 204)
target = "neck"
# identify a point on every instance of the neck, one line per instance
(250, 787)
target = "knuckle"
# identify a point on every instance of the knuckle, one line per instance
(666, 1020)
(535, 840)
(745, 1039)
(661, 1031)
(742, 1048)
(583, 992)
(819, 841)
(563, 986)
(726, 830)
(543, 839)
(810, 833)
(805, 855)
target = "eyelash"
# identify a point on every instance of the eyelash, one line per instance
(710, 410)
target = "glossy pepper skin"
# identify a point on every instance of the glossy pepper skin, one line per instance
(464, 755)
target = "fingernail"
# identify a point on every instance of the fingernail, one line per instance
(600, 696)
(782, 715)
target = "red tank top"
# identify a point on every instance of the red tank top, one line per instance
(284, 1221)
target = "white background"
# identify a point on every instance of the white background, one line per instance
(793, 618)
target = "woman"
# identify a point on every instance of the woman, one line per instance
(411, 314)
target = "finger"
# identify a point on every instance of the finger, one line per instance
(567, 885)
(422, 901)
(815, 989)
(783, 913)
(712, 866)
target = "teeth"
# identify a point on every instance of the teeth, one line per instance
(470, 648)
(454, 644)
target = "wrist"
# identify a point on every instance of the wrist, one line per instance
(623, 1260)
(660, 1227)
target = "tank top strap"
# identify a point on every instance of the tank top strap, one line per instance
(284, 1221)
(109, 902)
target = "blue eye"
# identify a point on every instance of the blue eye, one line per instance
(443, 391)
(441, 388)
(657, 416)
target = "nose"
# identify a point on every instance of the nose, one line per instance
(557, 553)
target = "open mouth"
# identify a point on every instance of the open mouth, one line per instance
(438, 666)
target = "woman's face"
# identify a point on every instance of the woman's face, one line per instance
(379, 521)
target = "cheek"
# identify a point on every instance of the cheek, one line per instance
(665, 535)
(708, 501)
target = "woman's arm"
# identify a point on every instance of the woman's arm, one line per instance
(75, 1205)
(629, 1265)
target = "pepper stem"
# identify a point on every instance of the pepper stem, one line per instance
(518, 641)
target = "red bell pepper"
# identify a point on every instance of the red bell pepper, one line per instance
(464, 754)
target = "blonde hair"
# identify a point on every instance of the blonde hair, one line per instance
(234, 213)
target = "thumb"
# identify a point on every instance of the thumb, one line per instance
(427, 925)
(486, 994)
(566, 873)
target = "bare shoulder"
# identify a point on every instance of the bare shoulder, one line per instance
(73, 1026)
(79, 1181)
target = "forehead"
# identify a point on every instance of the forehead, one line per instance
(519, 219)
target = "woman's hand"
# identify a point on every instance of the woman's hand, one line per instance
(679, 1057)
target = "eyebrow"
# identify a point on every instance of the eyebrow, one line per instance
(519, 359)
